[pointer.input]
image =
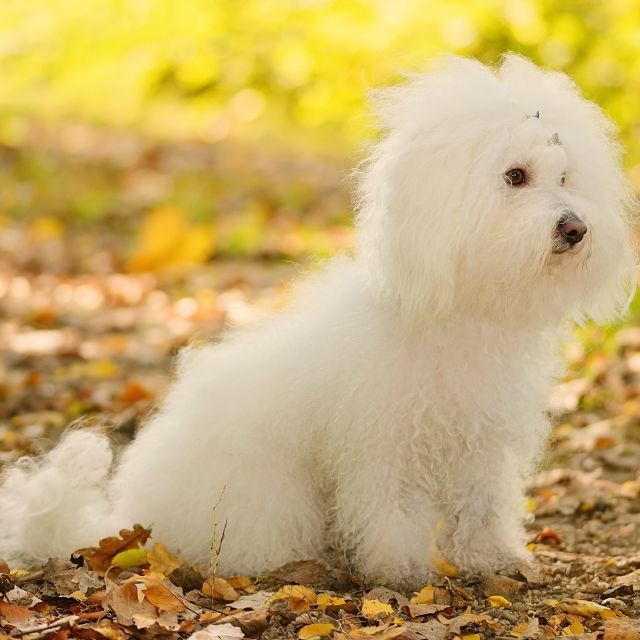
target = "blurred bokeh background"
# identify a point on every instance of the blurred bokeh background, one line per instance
(166, 165)
(233, 124)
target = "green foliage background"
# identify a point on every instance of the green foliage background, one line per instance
(292, 70)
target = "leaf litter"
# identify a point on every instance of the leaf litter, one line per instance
(86, 336)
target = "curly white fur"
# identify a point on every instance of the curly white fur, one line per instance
(405, 386)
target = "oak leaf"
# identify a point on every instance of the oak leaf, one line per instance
(101, 558)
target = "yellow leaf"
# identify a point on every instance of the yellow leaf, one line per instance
(374, 609)
(80, 596)
(46, 228)
(324, 600)
(167, 239)
(471, 636)
(444, 568)
(585, 608)
(130, 558)
(240, 582)
(527, 628)
(103, 369)
(498, 602)
(426, 595)
(530, 505)
(298, 598)
(315, 630)
(18, 573)
(576, 627)
(219, 589)
(518, 630)
(161, 561)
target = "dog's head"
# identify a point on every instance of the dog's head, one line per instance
(496, 193)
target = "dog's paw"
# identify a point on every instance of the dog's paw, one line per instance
(478, 558)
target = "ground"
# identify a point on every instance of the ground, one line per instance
(91, 313)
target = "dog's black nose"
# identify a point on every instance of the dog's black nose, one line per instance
(572, 229)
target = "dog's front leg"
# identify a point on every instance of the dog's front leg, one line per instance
(483, 508)
(386, 532)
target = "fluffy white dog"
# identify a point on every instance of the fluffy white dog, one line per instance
(407, 385)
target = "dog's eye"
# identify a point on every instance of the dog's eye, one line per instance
(562, 179)
(515, 177)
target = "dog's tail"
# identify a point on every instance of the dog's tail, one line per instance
(58, 502)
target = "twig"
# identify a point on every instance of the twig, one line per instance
(215, 545)
(67, 620)
(28, 577)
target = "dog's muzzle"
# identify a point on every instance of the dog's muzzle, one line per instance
(570, 230)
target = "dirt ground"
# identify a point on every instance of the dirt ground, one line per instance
(90, 343)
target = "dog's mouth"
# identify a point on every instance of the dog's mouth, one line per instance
(561, 246)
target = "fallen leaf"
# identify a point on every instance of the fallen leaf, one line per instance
(240, 582)
(548, 536)
(498, 602)
(375, 610)
(317, 629)
(133, 392)
(129, 610)
(526, 629)
(100, 558)
(253, 601)
(161, 561)
(130, 558)
(224, 631)
(621, 629)
(456, 624)
(325, 600)
(424, 596)
(585, 608)
(444, 568)
(15, 614)
(299, 598)
(219, 589)
(418, 610)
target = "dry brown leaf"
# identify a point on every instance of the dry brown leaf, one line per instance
(456, 624)
(146, 600)
(224, 631)
(252, 601)
(162, 561)
(133, 392)
(99, 559)
(129, 609)
(15, 614)
(418, 610)
(526, 629)
(219, 589)
(621, 629)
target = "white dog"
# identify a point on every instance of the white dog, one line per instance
(406, 386)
